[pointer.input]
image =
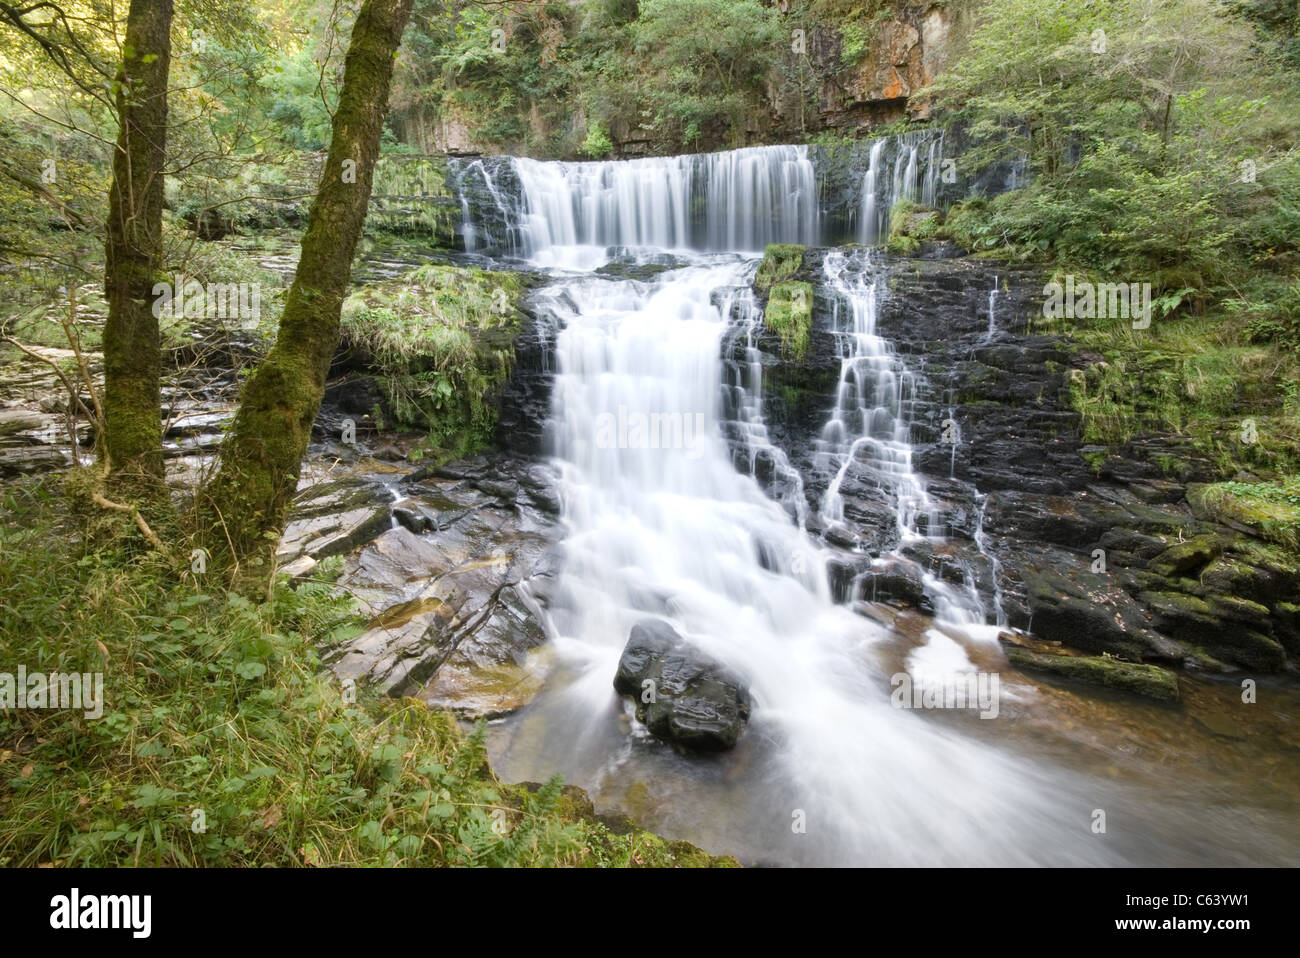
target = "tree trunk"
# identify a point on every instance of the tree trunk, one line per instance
(133, 252)
(247, 501)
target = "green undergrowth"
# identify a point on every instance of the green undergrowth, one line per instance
(909, 225)
(1236, 402)
(781, 261)
(410, 197)
(36, 303)
(1271, 509)
(441, 342)
(789, 315)
(223, 741)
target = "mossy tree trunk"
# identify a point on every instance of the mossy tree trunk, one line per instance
(133, 253)
(247, 501)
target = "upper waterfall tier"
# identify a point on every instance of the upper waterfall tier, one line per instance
(737, 200)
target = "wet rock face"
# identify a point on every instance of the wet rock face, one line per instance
(1103, 549)
(525, 400)
(450, 565)
(681, 695)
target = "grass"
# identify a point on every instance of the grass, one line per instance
(1195, 376)
(789, 315)
(909, 224)
(441, 343)
(1272, 509)
(225, 743)
(781, 262)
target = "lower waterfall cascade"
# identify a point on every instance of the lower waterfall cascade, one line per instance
(661, 520)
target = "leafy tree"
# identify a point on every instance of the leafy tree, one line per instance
(247, 501)
(1137, 119)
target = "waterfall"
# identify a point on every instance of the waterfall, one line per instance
(870, 426)
(659, 523)
(869, 430)
(744, 402)
(656, 426)
(870, 229)
(903, 167)
(736, 200)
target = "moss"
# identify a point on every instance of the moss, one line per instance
(781, 261)
(1271, 510)
(1146, 680)
(1178, 604)
(1188, 377)
(909, 225)
(1186, 556)
(789, 315)
(410, 198)
(1095, 459)
(441, 342)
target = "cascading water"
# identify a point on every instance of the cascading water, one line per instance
(869, 428)
(739, 200)
(905, 167)
(662, 520)
(659, 523)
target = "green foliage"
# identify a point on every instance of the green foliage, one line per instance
(441, 340)
(854, 41)
(218, 705)
(1272, 509)
(297, 105)
(781, 261)
(707, 58)
(1194, 376)
(678, 72)
(789, 314)
(1160, 144)
(1136, 121)
(597, 145)
(1272, 309)
(910, 224)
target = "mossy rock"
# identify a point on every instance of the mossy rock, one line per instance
(1221, 629)
(1286, 626)
(911, 224)
(441, 342)
(1146, 680)
(1269, 510)
(1184, 557)
(789, 315)
(575, 806)
(781, 262)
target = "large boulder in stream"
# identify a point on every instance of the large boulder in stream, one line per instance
(695, 702)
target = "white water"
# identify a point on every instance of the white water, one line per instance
(745, 200)
(906, 167)
(993, 310)
(680, 534)
(870, 426)
(673, 530)
(869, 433)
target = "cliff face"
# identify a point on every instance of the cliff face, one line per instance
(846, 76)
(903, 54)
